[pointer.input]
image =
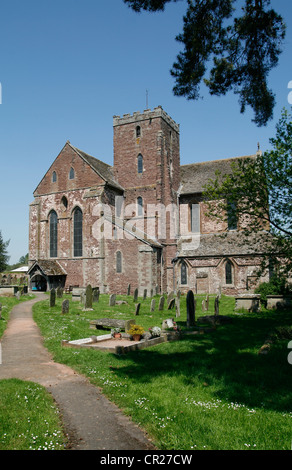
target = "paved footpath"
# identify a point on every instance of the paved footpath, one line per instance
(90, 419)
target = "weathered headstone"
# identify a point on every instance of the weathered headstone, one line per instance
(129, 289)
(18, 295)
(59, 292)
(65, 306)
(207, 302)
(156, 289)
(135, 295)
(170, 297)
(168, 323)
(171, 304)
(203, 305)
(76, 293)
(145, 294)
(112, 300)
(152, 308)
(9, 279)
(88, 297)
(191, 309)
(151, 293)
(177, 305)
(161, 303)
(83, 297)
(216, 305)
(95, 295)
(137, 309)
(52, 298)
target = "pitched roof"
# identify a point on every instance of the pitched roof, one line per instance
(233, 243)
(104, 170)
(131, 229)
(48, 267)
(195, 175)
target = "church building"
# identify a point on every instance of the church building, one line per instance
(141, 221)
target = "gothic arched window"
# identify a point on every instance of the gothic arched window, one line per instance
(228, 272)
(54, 177)
(53, 235)
(183, 273)
(77, 229)
(71, 174)
(140, 163)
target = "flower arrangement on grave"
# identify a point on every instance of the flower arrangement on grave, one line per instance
(155, 331)
(176, 327)
(116, 333)
(136, 331)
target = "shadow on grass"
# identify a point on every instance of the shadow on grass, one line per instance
(226, 360)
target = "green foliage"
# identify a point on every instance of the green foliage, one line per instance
(260, 189)
(276, 286)
(243, 49)
(4, 258)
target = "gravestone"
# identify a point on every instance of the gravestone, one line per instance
(135, 295)
(177, 306)
(156, 289)
(18, 295)
(151, 293)
(59, 292)
(76, 293)
(203, 306)
(88, 297)
(82, 297)
(170, 297)
(52, 298)
(145, 294)
(168, 323)
(65, 306)
(152, 308)
(171, 304)
(161, 303)
(112, 300)
(191, 309)
(95, 295)
(207, 302)
(216, 305)
(137, 309)
(129, 289)
(9, 279)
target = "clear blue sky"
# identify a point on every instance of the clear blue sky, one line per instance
(68, 66)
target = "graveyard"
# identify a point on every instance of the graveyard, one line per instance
(207, 384)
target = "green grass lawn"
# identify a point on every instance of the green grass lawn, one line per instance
(29, 419)
(209, 391)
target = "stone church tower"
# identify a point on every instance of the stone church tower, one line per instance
(147, 166)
